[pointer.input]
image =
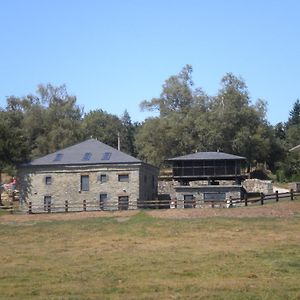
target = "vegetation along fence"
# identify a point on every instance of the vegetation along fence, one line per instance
(162, 204)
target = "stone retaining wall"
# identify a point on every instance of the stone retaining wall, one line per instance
(258, 186)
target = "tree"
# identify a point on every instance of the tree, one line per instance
(102, 126)
(13, 148)
(294, 118)
(176, 94)
(128, 134)
(192, 121)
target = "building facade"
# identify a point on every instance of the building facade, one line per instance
(89, 175)
(207, 177)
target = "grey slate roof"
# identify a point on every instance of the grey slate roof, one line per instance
(91, 149)
(208, 156)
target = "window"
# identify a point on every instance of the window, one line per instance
(103, 200)
(103, 178)
(87, 156)
(47, 203)
(48, 180)
(123, 177)
(58, 157)
(214, 196)
(84, 183)
(106, 156)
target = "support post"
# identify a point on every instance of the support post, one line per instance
(292, 194)
(262, 198)
(277, 196)
(246, 200)
(66, 206)
(84, 205)
(30, 208)
(11, 204)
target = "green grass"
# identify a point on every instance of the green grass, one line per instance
(146, 258)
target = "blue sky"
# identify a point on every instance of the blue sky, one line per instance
(114, 54)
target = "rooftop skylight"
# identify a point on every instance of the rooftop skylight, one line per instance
(106, 156)
(58, 157)
(87, 156)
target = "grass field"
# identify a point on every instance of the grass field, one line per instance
(143, 257)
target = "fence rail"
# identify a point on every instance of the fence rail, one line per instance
(161, 204)
(153, 204)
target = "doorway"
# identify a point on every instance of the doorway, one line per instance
(189, 201)
(123, 203)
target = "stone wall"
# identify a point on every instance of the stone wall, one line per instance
(199, 192)
(66, 185)
(258, 186)
(295, 186)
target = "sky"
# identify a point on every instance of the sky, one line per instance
(114, 54)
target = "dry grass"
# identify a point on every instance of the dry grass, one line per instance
(138, 256)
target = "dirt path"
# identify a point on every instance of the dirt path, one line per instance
(282, 209)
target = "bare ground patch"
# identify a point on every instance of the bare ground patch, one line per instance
(281, 209)
(33, 218)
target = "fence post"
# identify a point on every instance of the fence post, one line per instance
(30, 208)
(230, 201)
(292, 194)
(11, 204)
(84, 205)
(49, 208)
(246, 200)
(262, 198)
(66, 206)
(277, 196)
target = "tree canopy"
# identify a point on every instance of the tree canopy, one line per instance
(189, 120)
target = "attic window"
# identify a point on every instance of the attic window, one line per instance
(87, 156)
(58, 157)
(106, 156)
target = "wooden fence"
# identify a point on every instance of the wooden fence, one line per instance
(154, 204)
(163, 204)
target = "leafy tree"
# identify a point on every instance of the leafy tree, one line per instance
(176, 94)
(294, 118)
(102, 126)
(12, 143)
(192, 121)
(128, 134)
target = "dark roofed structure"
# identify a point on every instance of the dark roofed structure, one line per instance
(207, 166)
(87, 176)
(208, 156)
(88, 152)
(219, 177)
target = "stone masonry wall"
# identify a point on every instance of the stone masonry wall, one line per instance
(258, 186)
(198, 194)
(66, 184)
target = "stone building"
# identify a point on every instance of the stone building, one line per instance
(90, 172)
(207, 177)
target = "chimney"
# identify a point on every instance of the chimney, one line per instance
(119, 142)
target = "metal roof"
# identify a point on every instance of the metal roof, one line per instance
(86, 153)
(208, 156)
